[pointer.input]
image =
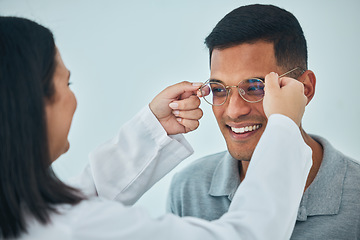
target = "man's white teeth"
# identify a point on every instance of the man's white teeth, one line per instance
(245, 129)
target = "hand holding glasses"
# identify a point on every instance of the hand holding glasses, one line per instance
(251, 90)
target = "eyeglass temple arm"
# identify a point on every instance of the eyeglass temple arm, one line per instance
(291, 71)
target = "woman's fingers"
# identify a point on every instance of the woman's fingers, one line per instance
(284, 96)
(177, 107)
(189, 124)
(195, 114)
(192, 102)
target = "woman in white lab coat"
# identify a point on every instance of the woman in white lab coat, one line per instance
(37, 107)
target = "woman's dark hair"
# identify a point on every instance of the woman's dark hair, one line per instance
(28, 185)
(251, 23)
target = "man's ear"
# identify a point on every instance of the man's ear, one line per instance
(309, 80)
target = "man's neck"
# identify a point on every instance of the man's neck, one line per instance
(317, 156)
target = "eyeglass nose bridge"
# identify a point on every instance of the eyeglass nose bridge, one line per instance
(241, 92)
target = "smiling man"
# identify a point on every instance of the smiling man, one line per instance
(248, 43)
(241, 120)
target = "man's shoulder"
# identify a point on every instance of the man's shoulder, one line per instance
(191, 186)
(336, 155)
(333, 153)
(200, 170)
(336, 160)
(202, 167)
(353, 169)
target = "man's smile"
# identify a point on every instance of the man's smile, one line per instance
(242, 132)
(246, 128)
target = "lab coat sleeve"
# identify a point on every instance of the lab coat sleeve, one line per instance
(264, 206)
(271, 192)
(126, 166)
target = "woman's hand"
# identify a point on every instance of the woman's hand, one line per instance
(284, 96)
(177, 108)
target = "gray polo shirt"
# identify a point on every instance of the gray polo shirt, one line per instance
(329, 209)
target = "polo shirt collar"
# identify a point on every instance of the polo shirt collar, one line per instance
(323, 196)
(226, 177)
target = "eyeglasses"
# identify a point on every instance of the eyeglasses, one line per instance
(251, 90)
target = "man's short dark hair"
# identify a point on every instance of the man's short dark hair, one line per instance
(252, 23)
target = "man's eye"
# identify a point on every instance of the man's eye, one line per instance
(252, 86)
(255, 88)
(218, 90)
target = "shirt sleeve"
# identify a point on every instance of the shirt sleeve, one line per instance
(264, 207)
(126, 166)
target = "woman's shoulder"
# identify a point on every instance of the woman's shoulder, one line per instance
(79, 221)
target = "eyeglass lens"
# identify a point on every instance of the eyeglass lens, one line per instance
(215, 93)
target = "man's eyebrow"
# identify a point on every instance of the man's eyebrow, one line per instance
(215, 80)
(219, 81)
(69, 74)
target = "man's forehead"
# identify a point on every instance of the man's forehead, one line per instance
(257, 50)
(247, 59)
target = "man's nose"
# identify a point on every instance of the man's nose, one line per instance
(236, 106)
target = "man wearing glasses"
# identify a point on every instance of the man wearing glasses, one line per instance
(244, 46)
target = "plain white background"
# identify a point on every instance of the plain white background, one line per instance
(122, 53)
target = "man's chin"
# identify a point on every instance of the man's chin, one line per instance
(242, 150)
(241, 156)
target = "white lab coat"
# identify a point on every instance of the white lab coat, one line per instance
(120, 171)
